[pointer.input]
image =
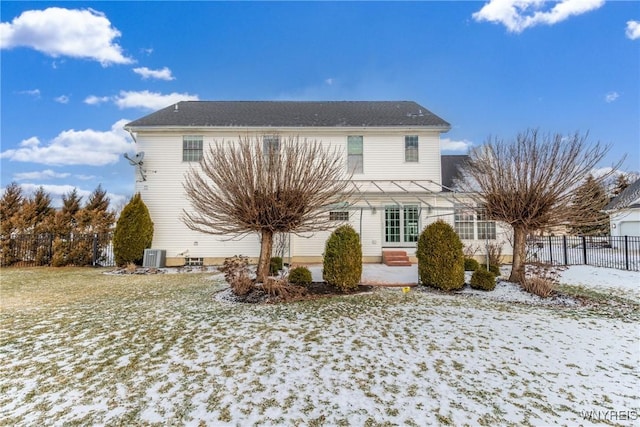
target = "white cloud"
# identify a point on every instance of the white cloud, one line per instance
(611, 96)
(62, 99)
(518, 15)
(96, 100)
(84, 177)
(633, 30)
(57, 32)
(32, 92)
(600, 172)
(73, 147)
(329, 81)
(162, 74)
(447, 144)
(45, 174)
(141, 99)
(150, 100)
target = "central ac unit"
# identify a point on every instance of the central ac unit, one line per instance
(154, 258)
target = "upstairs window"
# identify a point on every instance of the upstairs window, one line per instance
(354, 154)
(270, 145)
(191, 148)
(411, 148)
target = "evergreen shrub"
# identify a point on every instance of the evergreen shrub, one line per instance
(493, 268)
(300, 276)
(483, 279)
(440, 257)
(275, 265)
(342, 262)
(470, 264)
(133, 234)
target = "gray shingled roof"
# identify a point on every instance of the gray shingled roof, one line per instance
(625, 198)
(450, 167)
(292, 114)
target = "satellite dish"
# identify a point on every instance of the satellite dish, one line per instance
(136, 161)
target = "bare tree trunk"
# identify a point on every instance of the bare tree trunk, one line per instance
(519, 254)
(266, 246)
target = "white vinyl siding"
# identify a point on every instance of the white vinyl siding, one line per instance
(191, 148)
(355, 154)
(163, 192)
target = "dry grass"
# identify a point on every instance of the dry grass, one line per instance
(83, 348)
(540, 286)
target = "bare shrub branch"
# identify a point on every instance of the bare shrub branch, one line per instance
(529, 183)
(238, 188)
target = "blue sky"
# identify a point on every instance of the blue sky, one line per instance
(72, 73)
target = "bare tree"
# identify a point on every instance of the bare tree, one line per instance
(239, 188)
(529, 183)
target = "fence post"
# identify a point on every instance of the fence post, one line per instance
(95, 249)
(584, 250)
(550, 252)
(50, 248)
(626, 252)
(564, 249)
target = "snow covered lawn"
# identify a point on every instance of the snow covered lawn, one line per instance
(78, 347)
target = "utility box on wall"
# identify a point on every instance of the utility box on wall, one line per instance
(154, 258)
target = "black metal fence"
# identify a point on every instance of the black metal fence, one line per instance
(25, 250)
(622, 252)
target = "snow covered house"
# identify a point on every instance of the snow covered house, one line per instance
(402, 182)
(624, 211)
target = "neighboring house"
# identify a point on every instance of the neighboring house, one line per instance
(624, 211)
(402, 182)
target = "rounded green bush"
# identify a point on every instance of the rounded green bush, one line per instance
(471, 264)
(495, 269)
(483, 279)
(440, 257)
(133, 234)
(342, 262)
(300, 276)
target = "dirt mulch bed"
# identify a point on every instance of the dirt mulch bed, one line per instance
(312, 291)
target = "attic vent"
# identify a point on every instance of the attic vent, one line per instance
(175, 108)
(154, 258)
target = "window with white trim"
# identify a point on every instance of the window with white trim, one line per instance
(486, 227)
(191, 148)
(270, 145)
(463, 222)
(473, 224)
(401, 224)
(354, 154)
(339, 216)
(411, 148)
